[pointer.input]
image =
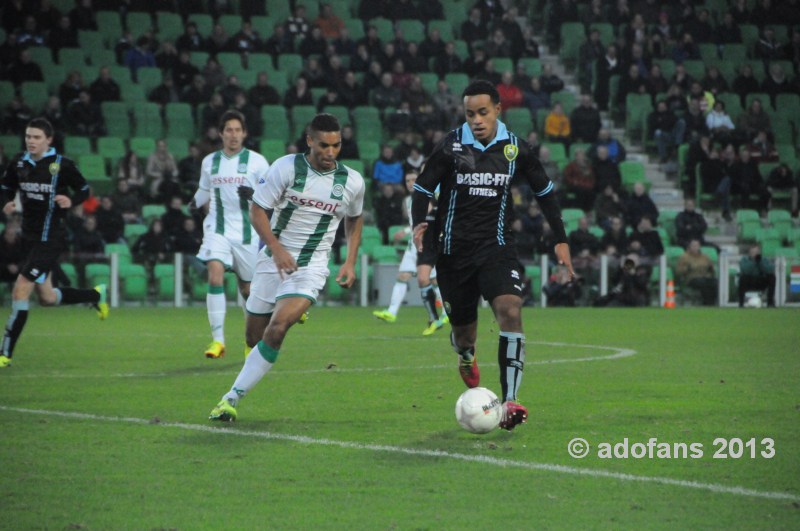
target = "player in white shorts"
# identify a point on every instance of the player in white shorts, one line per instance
(309, 194)
(420, 265)
(227, 181)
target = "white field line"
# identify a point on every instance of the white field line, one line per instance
(618, 353)
(348, 445)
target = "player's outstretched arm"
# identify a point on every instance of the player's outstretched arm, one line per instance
(353, 227)
(419, 232)
(564, 258)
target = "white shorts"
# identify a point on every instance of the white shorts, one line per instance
(235, 256)
(268, 287)
(408, 264)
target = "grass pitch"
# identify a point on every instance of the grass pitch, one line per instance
(103, 424)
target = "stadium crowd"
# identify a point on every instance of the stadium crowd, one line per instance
(715, 103)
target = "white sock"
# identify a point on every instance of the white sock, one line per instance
(398, 294)
(255, 367)
(215, 303)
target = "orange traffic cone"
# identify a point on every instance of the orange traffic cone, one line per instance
(670, 302)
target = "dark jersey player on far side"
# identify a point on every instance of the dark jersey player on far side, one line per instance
(474, 166)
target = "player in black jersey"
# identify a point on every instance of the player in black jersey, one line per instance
(48, 184)
(474, 166)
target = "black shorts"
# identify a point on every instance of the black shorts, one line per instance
(430, 249)
(41, 257)
(463, 279)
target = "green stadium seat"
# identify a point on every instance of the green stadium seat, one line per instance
(637, 108)
(278, 125)
(457, 82)
(12, 144)
(133, 231)
(566, 98)
(369, 151)
(151, 212)
(341, 112)
(131, 93)
(263, 24)
(111, 148)
(72, 58)
(55, 75)
(148, 120)
(109, 25)
(573, 35)
(632, 172)
(385, 254)
(519, 120)
(71, 273)
(180, 122)
(272, 149)
(143, 146)
(198, 59)
(445, 29)
(149, 78)
(42, 56)
(36, 94)
(533, 66)
(170, 25)
(354, 164)
(413, 30)
(384, 26)
(232, 23)
(204, 23)
(133, 285)
(101, 57)
(356, 28)
(93, 167)
(91, 40)
(558, 152)
(75, 146)
(97, 274)
(301, 116)
(117, 118)
(231, 286)
(291, 64)
(164, 275)
(503, 64)
(139, 22)
(7, 93)
(780, 221)
(178, 146)
(368, 123)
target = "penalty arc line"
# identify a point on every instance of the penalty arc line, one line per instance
(348, 445)
(619, 353)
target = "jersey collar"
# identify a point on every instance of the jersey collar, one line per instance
(468, 138)
(222, 151)
(27, 157)
(312, 168)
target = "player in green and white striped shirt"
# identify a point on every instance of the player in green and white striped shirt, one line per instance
(309, 194)
(227, 180)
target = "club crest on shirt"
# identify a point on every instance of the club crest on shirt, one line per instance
(54, 168)
(510, 151)
(337, 191)
(242, 168)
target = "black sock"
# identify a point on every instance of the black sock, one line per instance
(14, 326)
(429, 301)
(511, 358)
(78, 296)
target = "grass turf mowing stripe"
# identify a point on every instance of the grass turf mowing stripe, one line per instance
(561, 469)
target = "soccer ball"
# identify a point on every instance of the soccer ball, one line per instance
(478, 410)
(753, 301)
